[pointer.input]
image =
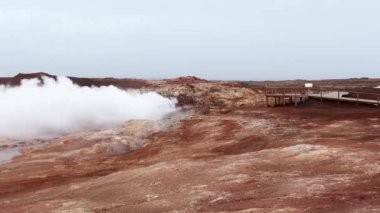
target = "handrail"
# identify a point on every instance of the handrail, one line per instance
(367, 93)
(353, 92)
(281, 92)
(285, 87)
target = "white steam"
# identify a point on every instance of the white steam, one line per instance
(60, 107)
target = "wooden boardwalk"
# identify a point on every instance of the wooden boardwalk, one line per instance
(339, 97)
(286, 96)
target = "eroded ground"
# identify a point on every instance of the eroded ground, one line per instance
(226, 153)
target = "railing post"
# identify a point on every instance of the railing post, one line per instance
(321, 94)
(357, 98)
(338, 97)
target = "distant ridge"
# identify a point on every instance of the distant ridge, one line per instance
(121, 83)
(187, 79)
(16, 80)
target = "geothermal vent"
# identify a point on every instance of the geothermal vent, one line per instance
(58, 106)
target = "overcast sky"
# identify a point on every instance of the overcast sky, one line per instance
(213, 39)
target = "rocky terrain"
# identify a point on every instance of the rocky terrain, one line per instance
(223, 152)
(122, 83)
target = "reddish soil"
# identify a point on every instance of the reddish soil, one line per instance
(318, 157)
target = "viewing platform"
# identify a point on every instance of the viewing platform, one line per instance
(295, 96)
(285, 96)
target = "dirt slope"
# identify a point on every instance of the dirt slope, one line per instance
(237, 156)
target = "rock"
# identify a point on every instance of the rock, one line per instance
(213, 95)
(186, 80)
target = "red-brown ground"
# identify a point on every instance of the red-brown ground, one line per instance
(319, 157)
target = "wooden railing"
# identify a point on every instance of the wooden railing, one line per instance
(285, 90)
(358, 96)
(285, 96)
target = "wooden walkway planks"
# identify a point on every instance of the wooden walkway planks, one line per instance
(284, 96)
(338, 96)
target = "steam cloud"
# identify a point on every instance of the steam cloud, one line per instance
(60, 107)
